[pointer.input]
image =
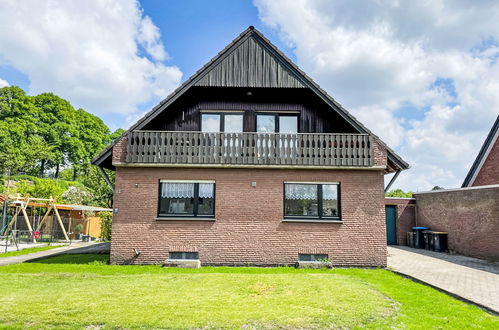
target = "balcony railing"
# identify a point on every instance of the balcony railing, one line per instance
(314, 149)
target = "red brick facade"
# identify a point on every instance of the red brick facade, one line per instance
(406, 216)
(489, 173)
(469, 215)
(249, 227)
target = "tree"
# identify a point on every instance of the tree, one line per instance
(93, 135)
(116, 134)
(17, 125)
(437, 188)
(57, 127)
(399, 193)
(45, 134)
(102, 193)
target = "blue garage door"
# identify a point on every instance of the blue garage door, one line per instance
(391, 224)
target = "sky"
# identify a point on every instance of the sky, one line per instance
(422, 75)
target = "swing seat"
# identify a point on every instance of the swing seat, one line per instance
(36, 234)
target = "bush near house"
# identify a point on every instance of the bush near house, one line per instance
(106, 225)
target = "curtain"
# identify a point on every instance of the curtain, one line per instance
(206, 190)
(177, 190)
(185, 190)
(329, 192)
(301, 191)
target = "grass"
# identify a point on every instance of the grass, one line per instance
(28, 251)
(78, 291)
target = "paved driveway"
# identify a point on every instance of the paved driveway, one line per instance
(473, 279)
(79, 247)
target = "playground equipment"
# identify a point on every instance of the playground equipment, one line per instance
(34, 220)
(11, 232)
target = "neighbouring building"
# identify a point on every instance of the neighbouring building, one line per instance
(249, 162)
(485, 169)
(470, 214)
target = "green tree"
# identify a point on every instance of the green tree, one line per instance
(102, 193)
(17, 125)
(45, 134)
(116, 134)
(57, 127)
(399, 193)
(93, 136)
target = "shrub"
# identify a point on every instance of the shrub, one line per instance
(106, 225)
(77, 195)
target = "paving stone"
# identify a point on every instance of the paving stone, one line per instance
(474, 279)
(67, 249)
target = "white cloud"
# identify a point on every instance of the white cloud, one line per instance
(423, 75)
(3, 83)
(102, 55)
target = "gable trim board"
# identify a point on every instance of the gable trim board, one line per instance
(482, 156)
(295, 77)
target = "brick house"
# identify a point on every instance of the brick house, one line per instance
(249, 162)
(485, 168)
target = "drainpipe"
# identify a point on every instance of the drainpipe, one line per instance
(106, 178)
(392, 180)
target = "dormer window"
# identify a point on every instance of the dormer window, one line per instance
(222, 122)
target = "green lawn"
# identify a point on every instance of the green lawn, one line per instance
(78, 291)
(28, 251)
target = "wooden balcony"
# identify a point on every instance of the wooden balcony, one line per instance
(303, 149)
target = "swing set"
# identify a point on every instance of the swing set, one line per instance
(34, 227)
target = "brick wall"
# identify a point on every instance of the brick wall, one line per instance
(489, 173)
(248, 227)
(379, 153)
(469, 215)
(119, 150)
(406, 216)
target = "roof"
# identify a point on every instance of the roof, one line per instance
(491, 139)
(76, 207)
(491, 186)
(212, 73)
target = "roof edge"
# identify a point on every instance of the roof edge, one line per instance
(482, 155)
(302, 76)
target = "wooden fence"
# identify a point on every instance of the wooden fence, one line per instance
(164, 147)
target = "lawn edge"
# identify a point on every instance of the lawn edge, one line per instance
(451, 294)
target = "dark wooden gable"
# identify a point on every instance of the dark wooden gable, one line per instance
(250, 64)
(251, 61)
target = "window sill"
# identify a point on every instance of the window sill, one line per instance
(313, 220)
(184, 219)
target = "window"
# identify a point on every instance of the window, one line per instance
(311, 200)
(288, 124)
(221, 122)
(183, 256)
(233, 123)
(188, 199)
(265, 124)
(210, 123)
(276, 123)
(312, 257)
